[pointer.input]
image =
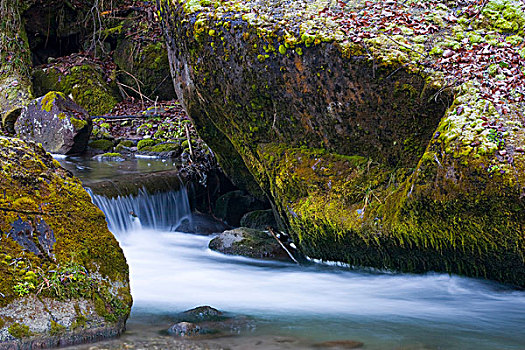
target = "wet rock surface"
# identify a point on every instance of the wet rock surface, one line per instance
(250, 243)
(203, 224)
(56, 122)
(206, 322)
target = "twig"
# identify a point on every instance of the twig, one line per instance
(282, 245)
(138, 82)
(188, 136)
(135, 91)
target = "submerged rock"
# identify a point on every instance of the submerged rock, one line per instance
(205, 322)
(63, 276)
(368, 156)
(250, 243)
(56, 122)
(339, 344)
(184, 329)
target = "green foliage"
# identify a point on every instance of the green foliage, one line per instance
(23, 288)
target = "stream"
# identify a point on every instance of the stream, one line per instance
(289, 306)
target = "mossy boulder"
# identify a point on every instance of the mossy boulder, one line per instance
(146, 65)
(250, 243)
(63, 276)
(86, 83)
(101, 144)
(370, 149)
(55, 121)
(15, 67)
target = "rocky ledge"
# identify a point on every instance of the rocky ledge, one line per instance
(63, 277)
(385, 133)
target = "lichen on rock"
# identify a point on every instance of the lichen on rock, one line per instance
(56, 122)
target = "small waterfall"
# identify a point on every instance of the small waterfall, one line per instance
(162, 210)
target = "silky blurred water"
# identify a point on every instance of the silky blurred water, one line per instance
(171, 272)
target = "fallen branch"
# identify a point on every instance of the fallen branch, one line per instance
(282, 245)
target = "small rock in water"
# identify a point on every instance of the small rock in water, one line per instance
(339, 344)
(202, 313)
(184, 329)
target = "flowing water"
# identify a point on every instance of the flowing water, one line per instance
(295, 307)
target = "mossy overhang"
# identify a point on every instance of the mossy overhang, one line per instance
(286, 78)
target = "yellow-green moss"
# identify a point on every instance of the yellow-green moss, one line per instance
(102, 144)
(82, 239)
(78, 123)
(56, 328)
(19, 330)
(49, 99)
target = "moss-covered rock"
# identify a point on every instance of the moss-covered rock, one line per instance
(85, 82)
(101, 144)
(355, 132)
(259, 219)
(56, 122)
(147, 64)
(250, 243)
(63, 276)
(15, 58)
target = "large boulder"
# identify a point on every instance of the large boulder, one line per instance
(90, 84)
(63, 276)
(380, 143)
(56, 122)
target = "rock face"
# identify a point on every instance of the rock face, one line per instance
(367, 153)
(56, 122)
(63, 276)
(250, 243)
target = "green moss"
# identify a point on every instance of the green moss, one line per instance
(126, 143)
(146, 143)
(78, 124)
(56, 328)
(165, 147)
(49, 99)
(19, 330)
(102, 144)
(86, 84)
(111, 155)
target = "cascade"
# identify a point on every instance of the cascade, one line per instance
(161, 210)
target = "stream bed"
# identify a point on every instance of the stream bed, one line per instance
(298, 307)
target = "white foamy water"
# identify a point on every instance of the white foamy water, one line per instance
(172, 272)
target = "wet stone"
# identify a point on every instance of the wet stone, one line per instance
(185, 329)
(339, 344)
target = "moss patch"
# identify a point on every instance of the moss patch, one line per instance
(19, 330)
(102, 144)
